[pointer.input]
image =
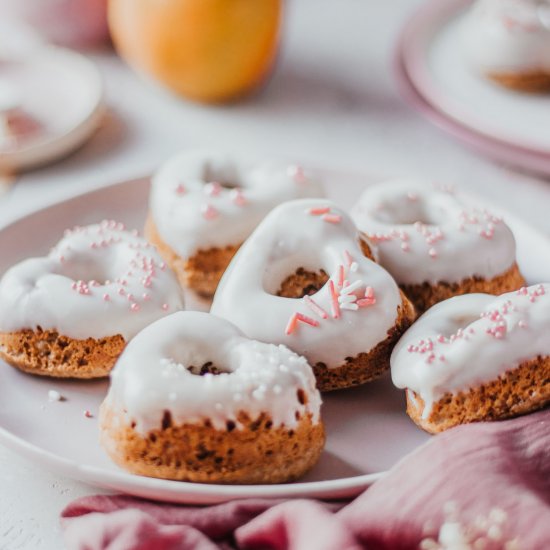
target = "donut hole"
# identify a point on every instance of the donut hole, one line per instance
(402, 210)
(302, 283)
(206, 368)
(226, 177)
(458, 322)
(85, 270)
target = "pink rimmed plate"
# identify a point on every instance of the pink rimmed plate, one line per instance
(367, 428)
(435, 78)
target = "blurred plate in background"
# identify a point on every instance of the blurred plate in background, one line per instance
(434, 77)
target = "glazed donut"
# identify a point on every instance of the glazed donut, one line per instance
(193, 399)
(434, 245)
(509, 42)
(70, 314)
(301, 280)
(204, 205)
(476, 357)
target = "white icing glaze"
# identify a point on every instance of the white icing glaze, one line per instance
(508, 35)
(192, 212)
(98, 281)
(154, 374)
(429, 234)
(291, 237)
(469, 340)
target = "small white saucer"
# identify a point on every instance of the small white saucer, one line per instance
(59, 103)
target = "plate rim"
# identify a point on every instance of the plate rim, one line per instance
(437, 13)
(48, 149)
(478, 143)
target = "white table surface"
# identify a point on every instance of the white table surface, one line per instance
(332, 101)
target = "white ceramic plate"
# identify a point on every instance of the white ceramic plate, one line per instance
(62, 92)
(367, 428)
(433, 59)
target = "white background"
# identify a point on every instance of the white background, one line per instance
(332, 101)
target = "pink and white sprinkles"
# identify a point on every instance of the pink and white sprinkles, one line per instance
(214, 191)
(498, 328)
(481, 222)
(143, 267)
(344, 295)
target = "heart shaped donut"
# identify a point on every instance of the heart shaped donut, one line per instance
(302, 280)
(509, 42)
(192, 398)
(434, 244)
(70, 314)
(203, 206)
(476, 357)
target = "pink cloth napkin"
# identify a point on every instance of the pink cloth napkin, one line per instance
(478, 486)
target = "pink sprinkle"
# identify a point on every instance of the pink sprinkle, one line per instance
(73, 286)
(106, 298)
(334, 300)
(61, 259)
(366, 302)
(319, 210)
(523, 291)
(522, 324)
(180, 189)
(441, 338)
(316, 308)
(341, 276)
(88, 414)
(131, 298)
(348, 257)
(208, 212)
(121, 291)
(237, 197)
(134, 307)
(213, 189)
(369, 292)
(165, 307)
(405, 247)
(297, 173)
(410, 348)
(412, 196)
(332, 218)
(432, 253)
(146, 297)
(291, 325)
(307, 320)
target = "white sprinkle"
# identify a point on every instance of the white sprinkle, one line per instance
(498, 515)
(354, 267)
(172, 396)
(218, 406)
(353, 286)
(346, 298)
(452, 535)
(277, 389)
(494, 532)
(352, 306)
(54, 396)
